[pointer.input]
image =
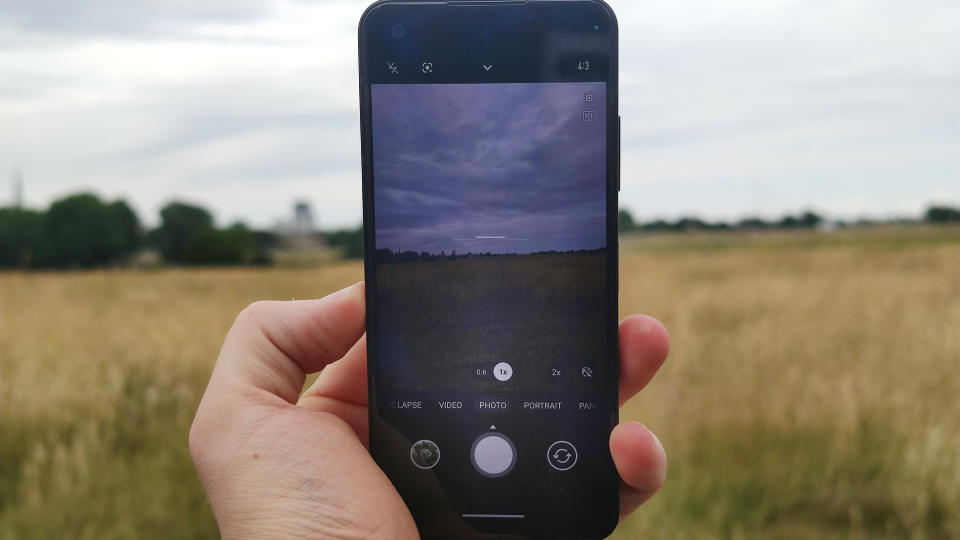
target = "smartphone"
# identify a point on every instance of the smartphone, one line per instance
(490, 145)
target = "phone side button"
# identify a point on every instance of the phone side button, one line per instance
(619, 147)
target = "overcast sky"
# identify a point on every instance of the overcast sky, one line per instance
(729, 107)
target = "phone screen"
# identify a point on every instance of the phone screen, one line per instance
(493, 371)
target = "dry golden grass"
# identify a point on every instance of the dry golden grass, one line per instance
(811, 391)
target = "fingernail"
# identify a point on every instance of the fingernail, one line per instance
(656, 440)
(344, 291)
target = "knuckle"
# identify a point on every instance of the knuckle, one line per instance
(197, 440)
(206, 438)
(330, 422)
(254, 313)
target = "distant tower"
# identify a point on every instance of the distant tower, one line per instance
(302, 219)
(17, 188)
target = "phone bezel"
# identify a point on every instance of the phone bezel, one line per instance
(605, 524)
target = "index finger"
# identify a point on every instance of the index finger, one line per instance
(644, 346)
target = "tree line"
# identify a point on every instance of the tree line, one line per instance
(83, 231)
(805, 220)
(390, 256)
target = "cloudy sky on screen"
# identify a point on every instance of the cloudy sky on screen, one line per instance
(730, 107)
(501, 168)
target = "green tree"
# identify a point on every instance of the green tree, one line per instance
(179, 224)
(21, 237)
(942, 214)
(789, 222)
(211, 246)
(625, 221)
(349, 241)
(810, 219)
(753, 223)
(81, 230)
(130, 229)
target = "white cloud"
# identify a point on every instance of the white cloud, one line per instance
(760, 107)
(729, 107)
(214, 113)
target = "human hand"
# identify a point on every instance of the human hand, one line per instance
(278, 464)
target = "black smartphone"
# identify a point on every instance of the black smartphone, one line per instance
(490, 177)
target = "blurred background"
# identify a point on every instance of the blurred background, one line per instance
(790, 209)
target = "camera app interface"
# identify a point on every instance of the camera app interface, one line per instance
(492, 367)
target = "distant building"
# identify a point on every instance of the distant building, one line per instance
(302, 219)
(300, 232)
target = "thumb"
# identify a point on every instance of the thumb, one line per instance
(272, 346)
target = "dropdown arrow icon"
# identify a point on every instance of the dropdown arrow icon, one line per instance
(487, 67)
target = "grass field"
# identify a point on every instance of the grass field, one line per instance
(812, 389)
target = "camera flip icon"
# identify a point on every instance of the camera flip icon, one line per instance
(562, 455)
